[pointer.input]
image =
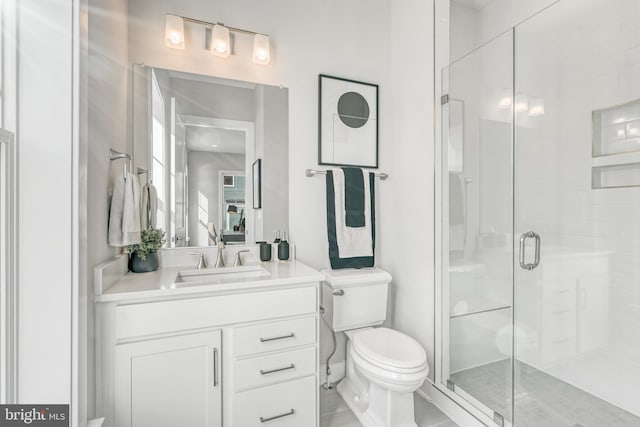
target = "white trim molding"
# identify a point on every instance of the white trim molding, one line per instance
(8, 277)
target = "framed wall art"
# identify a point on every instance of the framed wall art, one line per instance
(348, 122)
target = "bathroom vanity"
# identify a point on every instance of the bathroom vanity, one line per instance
(236, 346)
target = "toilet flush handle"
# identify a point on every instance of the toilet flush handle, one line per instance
(339, 292)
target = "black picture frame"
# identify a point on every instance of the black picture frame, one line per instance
(360, 137)
(257, 184)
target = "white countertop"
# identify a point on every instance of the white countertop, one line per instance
(161, 284)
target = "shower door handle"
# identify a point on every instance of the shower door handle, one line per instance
(536, 260)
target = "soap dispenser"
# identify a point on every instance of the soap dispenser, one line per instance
(283, 248)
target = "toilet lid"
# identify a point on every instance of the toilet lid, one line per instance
(389, 348)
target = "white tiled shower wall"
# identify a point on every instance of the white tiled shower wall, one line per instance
(579, 57)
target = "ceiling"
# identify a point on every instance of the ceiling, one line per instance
(215, 140)
(473, 4)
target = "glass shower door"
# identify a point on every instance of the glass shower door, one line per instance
(577, 187)
(477, 275)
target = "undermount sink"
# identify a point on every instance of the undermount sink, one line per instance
(220, 275)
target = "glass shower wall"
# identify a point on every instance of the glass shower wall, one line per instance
(541, 219)
(478, 223)
(577, 72)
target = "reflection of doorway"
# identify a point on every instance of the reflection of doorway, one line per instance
(232, 191)
(213, 146)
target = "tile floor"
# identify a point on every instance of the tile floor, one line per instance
(335, 413)
(541, 400)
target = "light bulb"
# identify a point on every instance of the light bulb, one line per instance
(261, 50)
(220, 41)
(174, 32)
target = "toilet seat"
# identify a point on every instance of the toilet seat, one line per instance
(390, 350)
(390, 359)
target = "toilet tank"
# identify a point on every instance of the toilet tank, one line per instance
(354, 298)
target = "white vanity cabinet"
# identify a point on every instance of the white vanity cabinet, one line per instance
(235, 358)
(274, 374)
(169, 382)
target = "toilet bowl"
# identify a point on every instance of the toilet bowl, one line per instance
(384, 368)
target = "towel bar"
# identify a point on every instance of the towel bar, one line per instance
(312, 172)
(115, 155)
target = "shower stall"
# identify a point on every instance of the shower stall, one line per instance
(539, 278)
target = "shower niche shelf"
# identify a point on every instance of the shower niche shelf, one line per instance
(616, 147)
(616, 130)
(615, 176)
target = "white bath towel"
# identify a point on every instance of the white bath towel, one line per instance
(149, 207)
(124, 218)
(352, 241)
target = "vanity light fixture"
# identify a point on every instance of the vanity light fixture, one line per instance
(218, 38)
(174, 32)
(220, 44)
(261, 51)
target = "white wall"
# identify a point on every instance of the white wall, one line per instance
(275, 161)
(212, 100)
(46, 217)
(106, 127)
(407, 215)
(308, 38)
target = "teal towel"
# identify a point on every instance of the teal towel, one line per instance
(354, 197)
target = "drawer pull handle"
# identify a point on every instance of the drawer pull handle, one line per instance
(291, 335)
(215, 367)
(272, 371)
(286, 414)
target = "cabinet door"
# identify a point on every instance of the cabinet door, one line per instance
(169, 382)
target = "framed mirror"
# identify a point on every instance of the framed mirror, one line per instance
(199, 138)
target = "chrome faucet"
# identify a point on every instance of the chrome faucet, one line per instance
(202, 261)
(219, 257)
(238, 260)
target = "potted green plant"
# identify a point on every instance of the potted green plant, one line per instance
(143, 256)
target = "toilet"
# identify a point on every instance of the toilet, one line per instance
(383, 366)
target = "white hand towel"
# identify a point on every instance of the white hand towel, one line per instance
(131, 211)
(116, 211)
(352, 241)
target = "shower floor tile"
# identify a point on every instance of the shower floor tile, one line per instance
(541, 400)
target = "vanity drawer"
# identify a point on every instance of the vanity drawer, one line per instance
(274, 336)
(260, 371)
(290, 404)
(140, 319)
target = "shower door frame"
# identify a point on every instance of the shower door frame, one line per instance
(442, 61)
(481, 412)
